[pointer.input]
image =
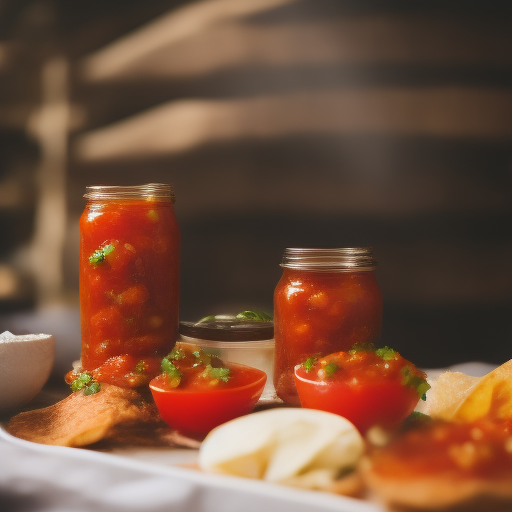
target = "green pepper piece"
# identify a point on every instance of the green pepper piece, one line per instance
(309, 363)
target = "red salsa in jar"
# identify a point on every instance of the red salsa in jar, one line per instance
(129, 282)
(326, 301)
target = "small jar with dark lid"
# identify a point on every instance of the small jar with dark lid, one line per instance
(326, 301)
(244, 342)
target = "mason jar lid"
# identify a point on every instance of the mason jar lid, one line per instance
(154, 191)
(344, 259)
(228, 330)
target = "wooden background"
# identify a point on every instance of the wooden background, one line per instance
(280, 123)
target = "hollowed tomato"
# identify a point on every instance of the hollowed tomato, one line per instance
(198, 406)
(362, 385)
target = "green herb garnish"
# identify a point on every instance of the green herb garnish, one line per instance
(176, 354)
(254, 316)
(202, 358)
(92, 388)
(217, 373)
(243, 316)
(82, 380)
(85, 381)
(172, 372)
(330, 369)
(362, 347)
(415, 381)
(386, 353)
(98, 256)
(309, 363)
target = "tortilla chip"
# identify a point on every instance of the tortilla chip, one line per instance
(491, 397)
(455, 396)
(446, 393)
(80, 420)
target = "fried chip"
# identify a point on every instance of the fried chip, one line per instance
(455, 396)
(490, 397)
(81, 420)
(446, 393)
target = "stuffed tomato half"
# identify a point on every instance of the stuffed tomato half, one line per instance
(368, 386)
(196, 391)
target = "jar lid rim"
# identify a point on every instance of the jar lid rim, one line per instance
(228, 331)
(329, 259)
(156, 191)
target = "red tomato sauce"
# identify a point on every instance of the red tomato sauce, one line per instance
(193, 380)
(317, 313)
(129, 287)
(359, 365)
(482, 449)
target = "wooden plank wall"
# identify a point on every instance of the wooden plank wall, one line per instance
(314, 123)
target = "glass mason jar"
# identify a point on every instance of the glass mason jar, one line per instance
(326, 301)
(129, 281)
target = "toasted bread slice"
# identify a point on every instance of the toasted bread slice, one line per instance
(438, 492)
(443, 466)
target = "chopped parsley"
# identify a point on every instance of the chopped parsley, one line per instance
(201, 358)
(98, 256)
(85, 382)
(254, 316)
(92, 388)
(309, 363)
(362, 347)
(186, 363)
(330, 369)
(386, 353)
(176, 354)
(217, 373)
(415, 381)
(244, 316)
(172, 372)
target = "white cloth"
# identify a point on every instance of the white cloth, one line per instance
(55, 479)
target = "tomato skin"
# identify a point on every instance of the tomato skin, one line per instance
(195, 410)
(385, 403)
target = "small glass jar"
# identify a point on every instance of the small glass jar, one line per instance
(249, 343)
(129, 279)
(326, 301)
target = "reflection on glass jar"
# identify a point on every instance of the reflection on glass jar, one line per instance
(326, 301)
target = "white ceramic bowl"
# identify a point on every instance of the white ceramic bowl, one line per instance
(25, 364)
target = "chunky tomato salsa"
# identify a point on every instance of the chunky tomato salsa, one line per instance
(129, 288)
(321, 312)
(481, 449)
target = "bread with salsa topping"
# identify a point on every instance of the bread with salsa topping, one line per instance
(444, 466)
